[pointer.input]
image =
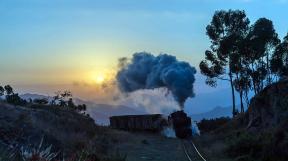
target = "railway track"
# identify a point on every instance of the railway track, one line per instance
(191, 151)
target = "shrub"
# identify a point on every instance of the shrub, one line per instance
(40, 153)
(213, 124)
(14, 99)
(244, 144)
(266, 146)
(41, 101)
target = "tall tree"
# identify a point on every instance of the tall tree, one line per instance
(8, 89)
(279, 61)
(260, 43)
(225, 31)
(2, 90)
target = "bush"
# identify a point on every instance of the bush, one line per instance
(206, 126)
(41, 101)
(245, 144)
(14, 99)
(266, 146)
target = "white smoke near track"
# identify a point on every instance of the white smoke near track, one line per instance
(169, 132)
(195, 129)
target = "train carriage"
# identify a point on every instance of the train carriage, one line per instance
(178, 120)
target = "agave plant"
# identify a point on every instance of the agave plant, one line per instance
(38, 154)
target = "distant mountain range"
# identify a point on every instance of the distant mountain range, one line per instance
(214, 113)
(101, 112)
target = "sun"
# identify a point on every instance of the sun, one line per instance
(99, 79)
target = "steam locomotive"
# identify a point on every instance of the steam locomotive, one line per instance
(181, 124)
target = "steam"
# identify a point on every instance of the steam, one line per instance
(146, 71)
(150, 101)
(169, 132)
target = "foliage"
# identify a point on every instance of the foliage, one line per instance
(14, 99)
(212, 124)
(8, 89)
(267, 146)
(42, 153)
(279, 62)
(38, 154)
(250, 57)
(61, 99)
(226, 30)
(11, 97)
(64, 99)
(2, 90)
(41, 101)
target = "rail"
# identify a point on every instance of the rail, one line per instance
(191, 150)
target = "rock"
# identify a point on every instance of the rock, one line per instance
(270, 107)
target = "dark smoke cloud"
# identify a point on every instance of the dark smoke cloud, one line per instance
(146, 71)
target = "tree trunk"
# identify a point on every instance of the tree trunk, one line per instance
(233, 94)
(241, 101)
(268, 70)
(247, 98)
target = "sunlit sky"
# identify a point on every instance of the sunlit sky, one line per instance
(46, 44)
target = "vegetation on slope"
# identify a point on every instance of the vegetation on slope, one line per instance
(42, 131)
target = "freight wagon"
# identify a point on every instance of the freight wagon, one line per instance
(153, 122)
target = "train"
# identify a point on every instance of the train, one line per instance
(152, 123)
(178, 120)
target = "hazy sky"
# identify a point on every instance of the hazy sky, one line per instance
(46, 44)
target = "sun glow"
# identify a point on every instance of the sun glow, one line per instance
(99, 79)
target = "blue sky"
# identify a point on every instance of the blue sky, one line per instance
(57, 42)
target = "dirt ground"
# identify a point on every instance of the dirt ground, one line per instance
(148, 147)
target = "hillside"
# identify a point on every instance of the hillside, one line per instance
(74, 135)
(99, 112)
(66, 130)
(269, 108)
(260, 134)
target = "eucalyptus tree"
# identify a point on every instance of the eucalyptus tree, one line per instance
(260, 44)
(2, 90)
(279, 61)
(226, 31)
(8, 89)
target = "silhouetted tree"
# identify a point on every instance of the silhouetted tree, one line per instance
(279, 61)
(64, 99)
(61, 99)
(2, 90)
(71, 104)
(81, 107)
(259, 46)
(226, 32)
(41, 101)
(8, 89)
(14, 99)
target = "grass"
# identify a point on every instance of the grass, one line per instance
(65, 132)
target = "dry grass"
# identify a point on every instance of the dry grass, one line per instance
(67, 131)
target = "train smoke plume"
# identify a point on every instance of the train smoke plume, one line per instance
(146, 71)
